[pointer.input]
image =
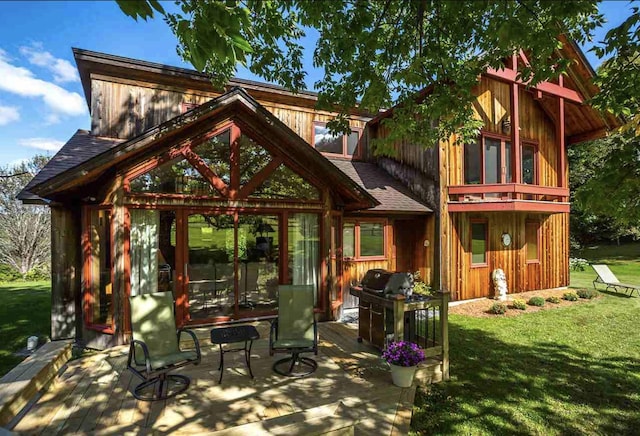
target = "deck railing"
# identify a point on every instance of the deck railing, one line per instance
(507, 191)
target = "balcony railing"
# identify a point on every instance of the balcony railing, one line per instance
(508, 196)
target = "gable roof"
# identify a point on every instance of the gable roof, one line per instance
(67, 171)
(392, 195)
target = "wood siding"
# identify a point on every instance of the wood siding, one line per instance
(124, 109)
(551, 271)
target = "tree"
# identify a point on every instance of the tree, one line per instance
(25, 230)
(382, 52)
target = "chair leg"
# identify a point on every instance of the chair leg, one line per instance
(291, 362)
(161, 387)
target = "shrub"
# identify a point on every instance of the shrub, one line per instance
(536, 301)
(8, 273)
(587, 293)
(37, 274)
(553, 299)
(578, 264)
(498, 309)
(519, 304)
(570, 296)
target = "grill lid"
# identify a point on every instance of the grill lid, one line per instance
(381, 281)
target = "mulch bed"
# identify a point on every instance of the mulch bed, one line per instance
(480, 308)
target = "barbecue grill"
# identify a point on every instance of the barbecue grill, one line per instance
(385, 283)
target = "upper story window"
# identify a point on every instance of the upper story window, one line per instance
(340, 145)
(490, 160)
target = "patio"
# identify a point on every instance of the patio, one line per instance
(351, 392)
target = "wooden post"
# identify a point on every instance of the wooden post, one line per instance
(398, 319)
(560, 140)
(120, 297)
(66, 272)
(444, 329)
(515, 135)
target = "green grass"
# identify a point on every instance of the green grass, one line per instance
(25, 310)
(571, 370)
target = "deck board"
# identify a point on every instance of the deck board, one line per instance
(351, 389)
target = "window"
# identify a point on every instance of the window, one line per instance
(363, 239)
(532, 231)
(488, 161)
(529, 171)
(98, 273)
(478, 243)
(343, 145)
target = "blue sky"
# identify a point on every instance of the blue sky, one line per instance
(41, 101)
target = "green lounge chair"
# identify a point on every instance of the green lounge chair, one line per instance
(295, 331)
(155, 347)
(608, 278)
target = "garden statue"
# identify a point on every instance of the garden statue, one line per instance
(499, 284)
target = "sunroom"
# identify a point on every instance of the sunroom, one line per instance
(219, 206)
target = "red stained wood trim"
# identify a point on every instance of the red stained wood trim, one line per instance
(259, 177)
(127, 269)
(235, 162)
(206, 172)
(518, 188)
(510, 75)
(560, 139)
(515, 133)
(509, 206)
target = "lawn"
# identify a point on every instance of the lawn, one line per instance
(574, 370)
(25, 311)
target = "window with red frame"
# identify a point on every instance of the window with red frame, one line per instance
(99, 267)
(363, 239)
(337, 145)
(479, 245)
(532, 232)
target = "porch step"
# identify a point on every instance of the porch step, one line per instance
(20, 385)
(429, 371)
(334, 419)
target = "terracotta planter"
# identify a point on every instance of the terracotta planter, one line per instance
(402, 376)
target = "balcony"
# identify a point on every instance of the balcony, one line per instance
(508, 197)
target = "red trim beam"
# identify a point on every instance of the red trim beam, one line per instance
(510, 75)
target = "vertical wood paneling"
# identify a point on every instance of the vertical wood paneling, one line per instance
(123, 110)
(550, 272)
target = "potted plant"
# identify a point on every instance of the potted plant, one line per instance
(403, 357)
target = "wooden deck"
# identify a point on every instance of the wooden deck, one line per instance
(350, 393)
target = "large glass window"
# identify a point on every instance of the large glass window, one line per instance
(258, 255)
(488, 161)
(283, 183)
(303, 236)
(363, 239)
(100, 264)
(478, 243)
(326, 142)
(216, 153)
(532, 229)
(152, 251)
(174, 177)
(529, 164)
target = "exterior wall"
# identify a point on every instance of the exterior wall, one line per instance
(493, 106)
(466, 281)
(66, 271)
(124, 109)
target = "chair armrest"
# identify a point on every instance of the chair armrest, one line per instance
(145, 351)
(194, 337)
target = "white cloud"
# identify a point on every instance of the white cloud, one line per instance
(51, 119)
(21, 81)
(47, 144)
(8, 114)
(62, 69)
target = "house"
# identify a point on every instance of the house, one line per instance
(220, 197)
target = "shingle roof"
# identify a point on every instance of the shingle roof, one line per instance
(79, 149)
(391, 193)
